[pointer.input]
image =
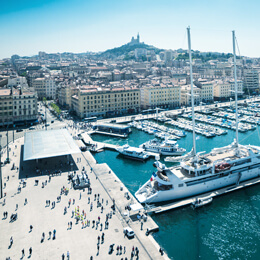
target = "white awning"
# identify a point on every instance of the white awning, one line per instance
(51, 143)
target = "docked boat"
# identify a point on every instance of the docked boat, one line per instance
(166, 147)
(201, 202)
(199, 173)
(133, 152)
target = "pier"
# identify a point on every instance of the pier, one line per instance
(188, 201)
(99, 146)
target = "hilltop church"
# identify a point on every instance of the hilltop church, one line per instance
(135, 41)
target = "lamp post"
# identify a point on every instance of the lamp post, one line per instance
(1, 185)
(7, 145)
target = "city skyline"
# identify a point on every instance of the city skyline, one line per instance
(28, 27)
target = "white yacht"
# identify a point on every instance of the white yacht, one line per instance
(198, 172)
(133, 152)
(166, 147)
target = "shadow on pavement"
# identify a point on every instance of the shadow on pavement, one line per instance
(45, 166)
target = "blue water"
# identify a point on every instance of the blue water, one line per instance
(229, 228)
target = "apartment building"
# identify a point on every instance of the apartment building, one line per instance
(94, 101)
(160, 95)
(226, 89)
(17, 81)
(251, 80)
(17, 107)
(45, 87)
(206, 90)
(6, 107)
(24, 107)
(65, 92)
(186, 95)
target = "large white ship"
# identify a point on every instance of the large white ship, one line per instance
(198, 172)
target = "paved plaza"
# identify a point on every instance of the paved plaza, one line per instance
(79, 241)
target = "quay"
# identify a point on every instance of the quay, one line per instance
(189, 201)
(29, 202)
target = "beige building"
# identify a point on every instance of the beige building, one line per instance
(206, 91)
(97, 101)
(45, 87)
(65, 92)
(17, 107)
(160, 95)
(25, 108)
(6, 107)
(226, 89)
(186, 95)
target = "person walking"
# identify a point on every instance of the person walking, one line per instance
(68, 255)
(30, 251)
(22, 252)
(11, 241)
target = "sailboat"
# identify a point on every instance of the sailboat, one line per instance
(199, 173)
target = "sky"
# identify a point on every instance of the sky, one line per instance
(30, 26)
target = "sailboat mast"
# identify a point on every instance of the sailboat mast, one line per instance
(192, 94)
(235, 77)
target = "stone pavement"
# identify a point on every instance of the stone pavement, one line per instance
(80, 242)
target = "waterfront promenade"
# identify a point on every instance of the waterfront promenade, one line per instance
(80, 241)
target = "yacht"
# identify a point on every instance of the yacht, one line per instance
(133, 152)
(199, 173)
(166, 147)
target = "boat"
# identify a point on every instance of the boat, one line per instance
(165, 147)
(201, 202)
(133, 152)
(198, 173)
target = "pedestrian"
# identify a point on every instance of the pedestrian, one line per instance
(70, 224)
(16, 207)
(80, 195)
(54, 234)
(22, 252)
(31, 228)
(49, 235)
(63, 257)
(30, 251)
(68, 255)
(88, 200)
(11, 241)
(93, 222)
(124, 250)
(142, 225)
(101, 225)
(95, 196)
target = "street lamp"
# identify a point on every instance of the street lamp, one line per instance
(1, 185)
(7, 158)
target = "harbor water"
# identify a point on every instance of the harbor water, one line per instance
(228, 228)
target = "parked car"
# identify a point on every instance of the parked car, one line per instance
(52, 121)
(19, 130)
(129, 232)
(31, 128)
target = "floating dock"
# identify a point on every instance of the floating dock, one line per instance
(188, 201)
(99, 146)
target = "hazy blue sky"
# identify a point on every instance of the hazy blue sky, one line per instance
(29, 26)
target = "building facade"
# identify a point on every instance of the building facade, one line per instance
(160, 95)
(97, 101)
(17, 107)
(226, 89)
(45, 87)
